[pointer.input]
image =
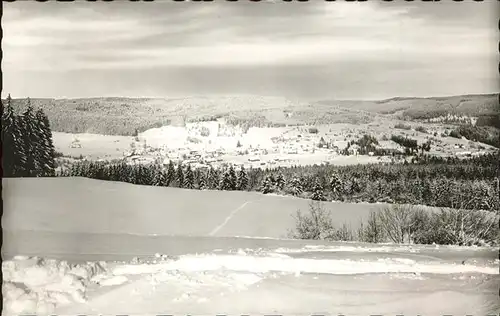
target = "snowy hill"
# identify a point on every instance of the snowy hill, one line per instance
(48, 204)
(123, 116)
(152, 250)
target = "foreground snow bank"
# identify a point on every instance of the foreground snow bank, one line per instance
(36, 285)
(285, 264)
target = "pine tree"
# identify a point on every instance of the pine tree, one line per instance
(120, 172)
(74, 170)
(189, 178)
(335, 184)
(141, 175)
(213, 178)
(196, 178)
(180, 175)
(124, 172)
(9, 141)
(112, 172)
(296, 187)
(44, 149)
(267, 185)
(170, 177)
(318, 194)
(271, 178)
(101, 171)
(146, 175)
(233, 180)
(226, 183)
(356, 188)
(49, 153)
(202, 181)
(20, 157)
(242, 180)
(106, 172)
(127, 175)
(209, 178)
(13, 151)
(31, 141)
(159, 178)
(280, 182)
(39, 150)
(134, 174)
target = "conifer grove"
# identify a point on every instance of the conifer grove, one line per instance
(464, 184)
(27, 147)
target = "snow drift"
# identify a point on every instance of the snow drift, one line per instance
(41, 286)
(37, 285)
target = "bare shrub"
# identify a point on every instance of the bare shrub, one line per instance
(398, 222)
(373, 231)
(461, 227)
(405, 224)
(343, 233)
(317, 224)
(420, 220)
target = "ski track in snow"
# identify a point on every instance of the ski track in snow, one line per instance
(228, 218)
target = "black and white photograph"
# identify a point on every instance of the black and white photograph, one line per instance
(250, 157)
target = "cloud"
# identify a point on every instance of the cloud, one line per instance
(117, 36)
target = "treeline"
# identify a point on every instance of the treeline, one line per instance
(205, 118)
(483, 134)
(255, 120)
(172, 175)
(27, 147)
(466, 184)
(72, 121)
(488, 120)
(369, 145)
(98, 115)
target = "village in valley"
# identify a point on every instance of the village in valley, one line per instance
(216, 143)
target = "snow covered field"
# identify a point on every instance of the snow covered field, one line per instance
(80, 246)
(80, 205)
(385, 281)
(91, 145)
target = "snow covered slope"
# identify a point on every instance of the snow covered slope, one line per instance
(80, 205)
(257, 281)
(92, 230)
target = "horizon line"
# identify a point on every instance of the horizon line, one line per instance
(258, 95)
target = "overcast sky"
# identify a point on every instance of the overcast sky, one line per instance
(311, 50)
